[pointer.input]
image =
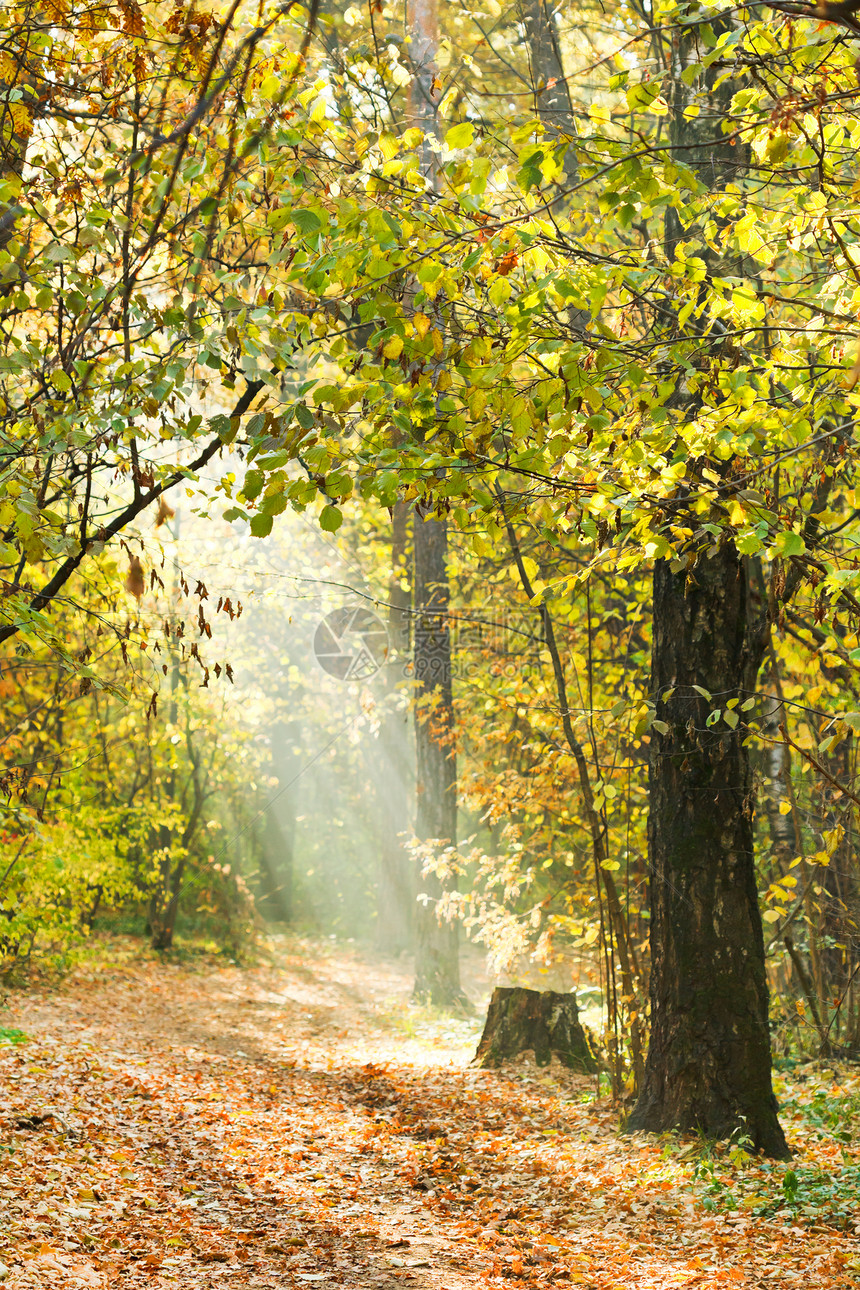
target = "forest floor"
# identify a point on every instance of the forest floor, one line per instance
(299, 1123)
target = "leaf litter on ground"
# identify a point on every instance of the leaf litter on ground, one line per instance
(300, 1123)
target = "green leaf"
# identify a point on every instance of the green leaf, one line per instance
(748, 543)
(305, 221)
(788, 544)
(261, 525)
(253, 484)
(330, 519)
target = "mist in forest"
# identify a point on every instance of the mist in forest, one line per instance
(325, 696)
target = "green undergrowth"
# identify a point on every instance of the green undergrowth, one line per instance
(10, 1037)
(820, 1185)
(106, 951)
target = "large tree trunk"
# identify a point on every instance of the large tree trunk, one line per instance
(437, 968)
(708, 1067)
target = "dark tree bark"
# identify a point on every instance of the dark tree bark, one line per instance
(541, 1021)
(437, 967)
(708, 1067)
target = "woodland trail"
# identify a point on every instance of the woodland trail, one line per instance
(299, 1124)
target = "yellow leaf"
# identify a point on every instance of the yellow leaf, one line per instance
(21, 120)
(477, 403)
(389, 145)
(393, 348)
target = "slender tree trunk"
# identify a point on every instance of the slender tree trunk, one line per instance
(549, 86)
(552, 100)
(708, 1066)
(777, 771)
(164, 923)
(620, 930)
(14, 142)
(437, 967)
(839, 914)
(164, 905)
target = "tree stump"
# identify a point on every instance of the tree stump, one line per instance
(542, 1020)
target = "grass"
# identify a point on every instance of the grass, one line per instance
(10, 1037)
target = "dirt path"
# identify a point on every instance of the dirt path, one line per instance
(300, 1124)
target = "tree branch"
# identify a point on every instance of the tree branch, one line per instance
(44, 597)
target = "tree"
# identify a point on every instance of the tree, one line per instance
(437, 974)
(123, 255)
(599, 320)
(437, 968)
(708, 1062)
